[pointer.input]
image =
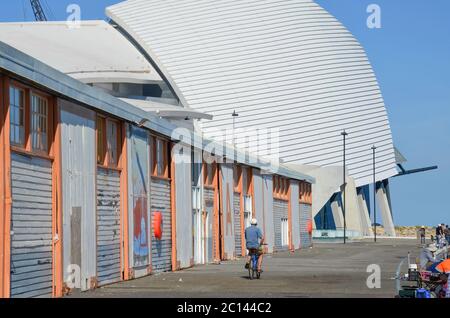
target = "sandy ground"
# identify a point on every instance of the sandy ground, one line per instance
(327, 270)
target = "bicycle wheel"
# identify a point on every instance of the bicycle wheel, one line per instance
(258, 275)
(250, 270)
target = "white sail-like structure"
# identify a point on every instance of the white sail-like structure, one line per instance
(282, 64)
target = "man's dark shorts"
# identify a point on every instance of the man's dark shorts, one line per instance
(258, 251)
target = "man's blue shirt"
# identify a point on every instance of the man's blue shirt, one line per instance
(252, 236)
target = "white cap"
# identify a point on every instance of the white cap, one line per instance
(254, 221)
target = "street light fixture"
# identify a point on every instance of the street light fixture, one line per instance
(344, 135)
(374, 195)
(234, 115)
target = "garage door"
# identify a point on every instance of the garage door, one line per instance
(161, 249)
(209, 228)
(31, 227)
(305, 218)
(108, 227)
(237, 224)
(280, 216)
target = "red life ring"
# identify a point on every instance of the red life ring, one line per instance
(310, 227)
(157, 224)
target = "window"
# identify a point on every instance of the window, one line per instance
(196, 169)
(275, 185)
(247, 182)
(17, 116)
(39, 123)
(305, 193)
(112, 149)
(30, 116)
(160, 157)
(236, 178)
(280, 188)
(286, 189)
(101, 136)
(108, 150)
(210, 173)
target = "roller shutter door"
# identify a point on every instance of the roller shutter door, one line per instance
(209, 207)
(161, 249)
(280, 213)
(305, 218)
(31, 227)
(237, 224)
(108, 227)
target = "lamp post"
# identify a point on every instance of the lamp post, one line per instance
(234, 115)
(344, 135)
(374, 195)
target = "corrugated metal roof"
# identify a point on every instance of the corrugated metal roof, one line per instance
(93, 52)
(281, 64)
(29, 68)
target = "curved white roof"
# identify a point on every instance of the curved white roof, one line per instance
(284, 64)
(94, 52)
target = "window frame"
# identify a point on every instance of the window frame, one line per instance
(305, 192)
(39, 95)
(237, 178)
(20, 89)
(104, 157)
(27, 146)
(248, 180)
(281, 187)
(164, 174)
(209, 175)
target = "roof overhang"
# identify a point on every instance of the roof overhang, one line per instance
(167, 111)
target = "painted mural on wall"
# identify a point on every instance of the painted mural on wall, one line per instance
(141, 244)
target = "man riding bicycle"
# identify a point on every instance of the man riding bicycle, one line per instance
(254, 240)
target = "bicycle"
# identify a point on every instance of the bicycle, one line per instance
(253, 266)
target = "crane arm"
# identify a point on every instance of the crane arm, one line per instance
(39, 13)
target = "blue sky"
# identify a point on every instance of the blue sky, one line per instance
(411, 58)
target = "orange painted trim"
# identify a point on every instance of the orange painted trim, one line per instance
(3, 247)
(241, 213)
(204, 229)
(291, 243)
(216, 213)
(161, 178)
(124, 229)
(252, 191)
(173, 211)
(7, 202)
(41, 155)
(57, 205)
(221, 215)
(2, 190)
